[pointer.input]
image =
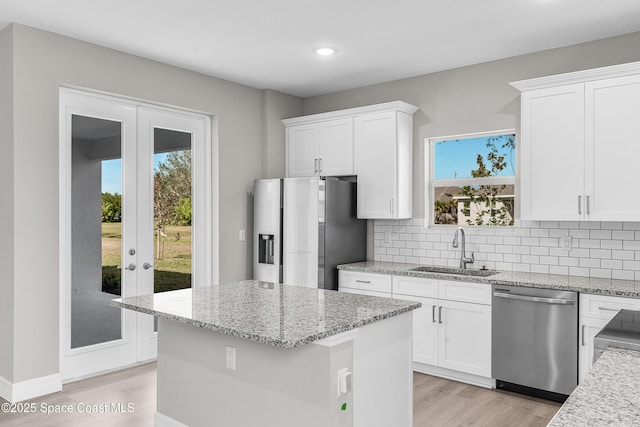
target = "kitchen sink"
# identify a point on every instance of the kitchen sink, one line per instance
(459, 271)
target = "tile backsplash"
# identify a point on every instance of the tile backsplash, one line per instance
(598, 249)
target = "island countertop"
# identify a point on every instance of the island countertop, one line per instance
(279, 315)
(609, 394)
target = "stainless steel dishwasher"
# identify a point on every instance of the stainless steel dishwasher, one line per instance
(535, 341)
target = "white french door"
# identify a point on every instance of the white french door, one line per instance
(116, 226)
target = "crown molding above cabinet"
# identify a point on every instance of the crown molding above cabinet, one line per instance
(582, 76)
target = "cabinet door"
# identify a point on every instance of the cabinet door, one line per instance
(336, 147)
(375, 164)
(425, 329)
(465, 337)
(612, 134)
(552, 153)
(302, 154)
(589, 328)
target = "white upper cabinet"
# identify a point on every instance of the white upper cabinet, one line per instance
(323, 148)
(552, 153)
(373, 142)
(612, 148)
(302, 150)
(384, 165)
(579, 144)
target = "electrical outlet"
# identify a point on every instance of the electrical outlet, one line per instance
(231, 358)
(242, 236)
(387, 237)
(344, 381)
(565, 242)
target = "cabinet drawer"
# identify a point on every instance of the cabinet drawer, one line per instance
(604, 306)
(364, 281)
(478, 293)
(414, 286)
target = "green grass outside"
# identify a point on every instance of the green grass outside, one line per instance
(172, 272)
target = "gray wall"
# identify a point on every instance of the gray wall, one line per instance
(475, 98)
(6, 204)
(43, 62)
(276, 106)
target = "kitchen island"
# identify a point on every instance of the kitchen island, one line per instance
(257, 353)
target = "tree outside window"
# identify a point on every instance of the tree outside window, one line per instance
(473, 179)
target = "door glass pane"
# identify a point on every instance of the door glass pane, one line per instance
(172, 210)
(96, 230)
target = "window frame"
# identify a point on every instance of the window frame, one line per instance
(431, 183)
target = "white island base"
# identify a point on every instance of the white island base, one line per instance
(281, 387)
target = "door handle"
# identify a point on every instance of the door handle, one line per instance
(579, 205)
(559, 301)
(320, 165)
(433, 314)
(440, 314)
(588, 210)
(147, 266)
(583, 344)
(315, 165)
(131, 267)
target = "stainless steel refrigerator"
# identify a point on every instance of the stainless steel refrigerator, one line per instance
(303, 228)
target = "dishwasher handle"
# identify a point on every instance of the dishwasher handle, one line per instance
(559, 301)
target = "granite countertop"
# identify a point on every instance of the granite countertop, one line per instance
(609, 395)
(280, 315)
(625, 288)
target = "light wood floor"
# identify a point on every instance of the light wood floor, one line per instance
(436, 402)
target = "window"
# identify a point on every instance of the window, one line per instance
(471, 179)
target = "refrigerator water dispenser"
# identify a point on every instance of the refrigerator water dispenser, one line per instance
(265, 249)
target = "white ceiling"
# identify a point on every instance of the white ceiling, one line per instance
(270, 43)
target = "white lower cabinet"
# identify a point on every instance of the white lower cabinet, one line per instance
(595, 312)
(451, 334)
(464, 341)
(425, 329)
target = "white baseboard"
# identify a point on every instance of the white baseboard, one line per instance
(36, 387)
(162, 420)
(454, 375)
(6, 389)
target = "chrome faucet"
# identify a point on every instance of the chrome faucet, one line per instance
(463, 259)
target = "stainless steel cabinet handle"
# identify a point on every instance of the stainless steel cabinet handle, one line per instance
(583, 344)
(147, 266)
(315, 165)
(363, 281)
(440, 314)
(433, 314)
(559, 301)
(579, 205)
(609, 309)
(131, 267)
(588, 210)
(320, 165)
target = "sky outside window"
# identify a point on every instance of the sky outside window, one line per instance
(456, 158)
(112, 173)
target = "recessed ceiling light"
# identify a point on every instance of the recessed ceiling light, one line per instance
(325, 51)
